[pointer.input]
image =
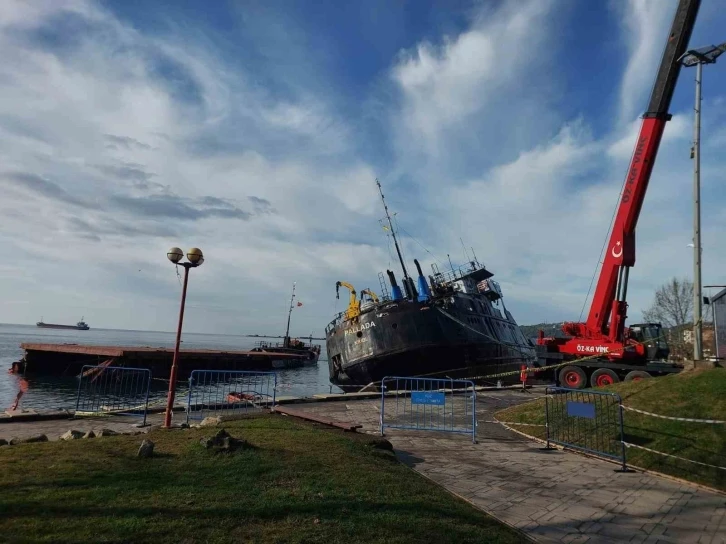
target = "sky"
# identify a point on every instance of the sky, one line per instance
(255, 130)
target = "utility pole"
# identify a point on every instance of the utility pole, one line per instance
(697, 58)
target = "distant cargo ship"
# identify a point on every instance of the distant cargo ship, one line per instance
(80, 326)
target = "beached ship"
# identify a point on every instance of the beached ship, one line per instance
(80, 326)
(453, 324)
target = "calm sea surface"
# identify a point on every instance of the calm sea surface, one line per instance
(59, 393)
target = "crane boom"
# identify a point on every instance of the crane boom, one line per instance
(609, 300)
(604, 334)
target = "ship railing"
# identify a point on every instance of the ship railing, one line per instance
(449, 276)
(335, 322)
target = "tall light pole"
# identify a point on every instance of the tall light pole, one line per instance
(195, 258)
(698, 57)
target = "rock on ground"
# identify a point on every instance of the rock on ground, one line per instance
(146, 449)
(71, 435)
(210, 421)
(223, 441)
(36, 438)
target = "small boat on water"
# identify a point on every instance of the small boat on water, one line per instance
(80, 326)
(295, 346)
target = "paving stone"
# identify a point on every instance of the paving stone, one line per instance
(553, 497)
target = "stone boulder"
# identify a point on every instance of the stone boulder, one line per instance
(224, 442)
(146, 449)
(71, 435)
(36, 438)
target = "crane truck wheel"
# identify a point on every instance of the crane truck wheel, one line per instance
(602, 377)
(636, 376)
(573, 377)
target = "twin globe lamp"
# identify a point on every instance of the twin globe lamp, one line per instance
(194, 255)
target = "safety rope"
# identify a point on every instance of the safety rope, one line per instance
(629, 445)
(671, 418)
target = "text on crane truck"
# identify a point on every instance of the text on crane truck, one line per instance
(592, 349)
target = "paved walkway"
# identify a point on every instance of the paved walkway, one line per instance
(553, 496)
(54, 428)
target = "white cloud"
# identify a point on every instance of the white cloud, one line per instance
(464, 81)
(106, 163)
(539, 212)
(646, 24)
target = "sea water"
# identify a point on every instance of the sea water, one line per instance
(54, 393)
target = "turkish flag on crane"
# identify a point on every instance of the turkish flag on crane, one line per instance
(299, 303)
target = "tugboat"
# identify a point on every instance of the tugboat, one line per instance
(310, 351)
(80, 326)
(453, 325)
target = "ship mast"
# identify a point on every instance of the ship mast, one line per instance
(393, 232)
(286, 341)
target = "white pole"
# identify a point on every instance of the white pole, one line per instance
(697, 291)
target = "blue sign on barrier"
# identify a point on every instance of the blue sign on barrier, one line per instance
(428, 404)
(580, 409)
(428, 397)
(585, 420)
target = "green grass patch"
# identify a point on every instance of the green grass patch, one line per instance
(697, 394)
(301, 483)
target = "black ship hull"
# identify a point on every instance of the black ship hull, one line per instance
(54, 326)
(454, 337)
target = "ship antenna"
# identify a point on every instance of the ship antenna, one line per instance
(466, 255)
(452, 266)
(286, 341)
(393, 232)
(475, 259)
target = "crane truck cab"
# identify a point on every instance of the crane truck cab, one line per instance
(652, 338)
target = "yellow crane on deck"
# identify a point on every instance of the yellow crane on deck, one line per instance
(353, 310)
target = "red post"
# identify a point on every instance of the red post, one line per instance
(172, 377)
(523, 376)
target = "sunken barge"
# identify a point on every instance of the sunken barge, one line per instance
(69, 359)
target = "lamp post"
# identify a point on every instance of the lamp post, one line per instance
(195, 258)
(698, 57)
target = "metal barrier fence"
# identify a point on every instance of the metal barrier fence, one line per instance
(235, 391)
(428, 404)
(113, 390)
(590, 421)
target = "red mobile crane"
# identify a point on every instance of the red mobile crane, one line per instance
(611, 350)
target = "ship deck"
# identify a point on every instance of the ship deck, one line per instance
(68, 359)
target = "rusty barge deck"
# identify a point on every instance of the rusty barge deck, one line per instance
(68, 359)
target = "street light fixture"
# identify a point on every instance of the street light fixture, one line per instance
(698, 57)
(195, 258)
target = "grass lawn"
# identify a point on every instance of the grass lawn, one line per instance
(698, 394)
(302, 483)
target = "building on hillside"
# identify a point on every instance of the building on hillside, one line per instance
(718, 303)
